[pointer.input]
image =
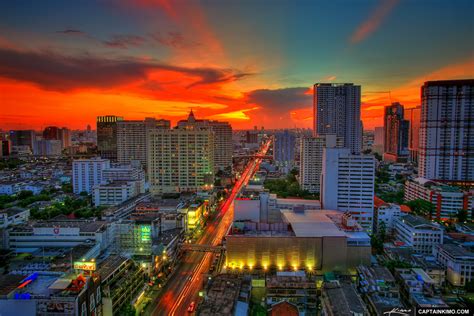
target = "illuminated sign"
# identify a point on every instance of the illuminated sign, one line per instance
(85, 265)
(145, 232)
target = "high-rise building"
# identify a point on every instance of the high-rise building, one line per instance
(311, 156)
(447, 131)
(47, 147)
(57, 133)
(379, 142)
(347, 184)
(23, 138)
(107, 136)
(180, 159)
(4, 148)
(284, 150)
(395, 133)
(336, 110)
(413, 116)
(131, 138)
(222, 139)
(87, 173)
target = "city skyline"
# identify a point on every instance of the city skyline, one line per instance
(159, 59)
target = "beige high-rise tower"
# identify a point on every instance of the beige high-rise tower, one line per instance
(180, 159)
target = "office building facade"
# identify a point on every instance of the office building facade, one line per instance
(336, 109)
(396, 130)
(447, 131)
(347, 184)
(107, 136)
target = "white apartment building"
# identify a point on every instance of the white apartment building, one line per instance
(418, 233)
(448, 200)
(311, 156)
(87, 173)
(386, 213)
(446, 148)
(347, 184)
(117, 192)
(458, 262)
(131, 138)
(336, 110)
(180, 160)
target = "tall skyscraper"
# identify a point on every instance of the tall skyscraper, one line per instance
(87, 173)
(379, 142)
(413, 115)
(336, 109)
(131, 138)
(222, 139)
(447, 131)
(23, 138)
(311, 160)
(284, 150)
(347, 184)
(180, 159)
(107, 136)
(396, 130)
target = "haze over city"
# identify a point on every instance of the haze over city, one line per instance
(248, 62)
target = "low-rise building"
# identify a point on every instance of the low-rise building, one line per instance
(115, 193)
(292, 287)
(417, 289)
(13, 216)
(59, 233)
(320, 240)
(448, 200)
(458, 262)
(379, 288)
(341, 299)
(385, 213)
(122, 282)
(50, 293)
(418, 233)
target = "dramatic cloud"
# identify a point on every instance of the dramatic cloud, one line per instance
(374, 21)
(173, 39)
(280, 100)
(125, 41)
(53, 71)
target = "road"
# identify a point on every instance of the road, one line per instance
(188, 278)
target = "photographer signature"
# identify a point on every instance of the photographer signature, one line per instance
(398, 311)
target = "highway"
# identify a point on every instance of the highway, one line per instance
(188, 279)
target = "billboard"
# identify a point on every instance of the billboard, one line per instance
(85, 265)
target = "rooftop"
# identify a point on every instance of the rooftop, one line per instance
(109, 265)
(457, 251)
(415, 221)
(344, 299)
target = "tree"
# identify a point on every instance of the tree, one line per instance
(462, 216)
(421, 207)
